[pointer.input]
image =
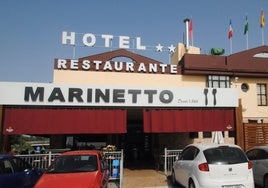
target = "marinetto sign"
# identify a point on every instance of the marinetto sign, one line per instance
(88, 95)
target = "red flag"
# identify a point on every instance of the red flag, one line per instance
(191, 29)
(230, 33)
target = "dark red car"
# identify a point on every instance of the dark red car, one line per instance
(80, 169)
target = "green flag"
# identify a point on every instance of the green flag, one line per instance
(246, 26)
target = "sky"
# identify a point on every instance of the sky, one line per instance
(31, 30)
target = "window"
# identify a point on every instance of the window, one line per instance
(207, 134)
(74, 163)
(20, 165)
(193, 135)
(6, 167)
(244, 87)
(218, 81)
(257, 154)
(262, 94)
(225, 155)
(189, 153)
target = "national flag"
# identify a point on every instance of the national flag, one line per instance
(246, 26)
(191, 29)
(262, 21)
(230, 33)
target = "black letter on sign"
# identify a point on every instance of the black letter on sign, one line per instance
(150, 95)
(134, 93)
(162, 96)
(118, 95)
(100, 95)
(38, 93)
(75, 93)
(56, 94)
(89, 95)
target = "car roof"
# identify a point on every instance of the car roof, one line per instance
(204, 146)
(259, 147)
(82, 152)
(4, 156)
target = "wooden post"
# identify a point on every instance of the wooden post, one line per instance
(239, 126)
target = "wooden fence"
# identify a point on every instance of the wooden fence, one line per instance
(255, 134)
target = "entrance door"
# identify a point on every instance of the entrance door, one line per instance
(137, 145)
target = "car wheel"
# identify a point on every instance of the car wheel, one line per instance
(265, 182)
(191, 184)
(173, 178)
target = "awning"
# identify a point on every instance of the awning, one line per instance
(64, 121)
(188, 120)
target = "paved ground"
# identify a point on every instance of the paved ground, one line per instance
(145, 178)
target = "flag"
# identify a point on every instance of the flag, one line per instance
(262, 21)
(191, 29)
(246, 26)
(230, 33)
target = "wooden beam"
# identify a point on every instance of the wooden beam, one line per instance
(239, 126)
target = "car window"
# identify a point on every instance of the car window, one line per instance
(252, 154)
(74, 163)
(257, 154)
(6, 167)
(189, 153)
(225, 155)
(262, 155)
(20, 165)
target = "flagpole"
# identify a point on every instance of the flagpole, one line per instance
(231, 46)
(262, 34)
(246, 30)
(230, 36)
(262, 24)
(247, 40)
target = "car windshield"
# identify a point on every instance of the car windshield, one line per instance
(225, 155)
(74, 163)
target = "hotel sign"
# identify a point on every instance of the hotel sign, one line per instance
(114, 96)
(107, 41)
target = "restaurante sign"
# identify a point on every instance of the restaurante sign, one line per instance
(118, 66)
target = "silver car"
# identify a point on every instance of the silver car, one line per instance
(259, 157)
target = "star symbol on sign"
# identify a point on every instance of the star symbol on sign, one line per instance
(171, 48)
(159, 48)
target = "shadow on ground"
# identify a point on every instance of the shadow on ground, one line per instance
(170, 185)
(169, 182)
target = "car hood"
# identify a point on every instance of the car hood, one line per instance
(82, 180)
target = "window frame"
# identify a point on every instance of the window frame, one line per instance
(262, 94)
(218, 81)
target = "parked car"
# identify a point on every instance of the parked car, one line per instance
(83, 169)
(15, 172)
(213, 165)
(259, 157)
